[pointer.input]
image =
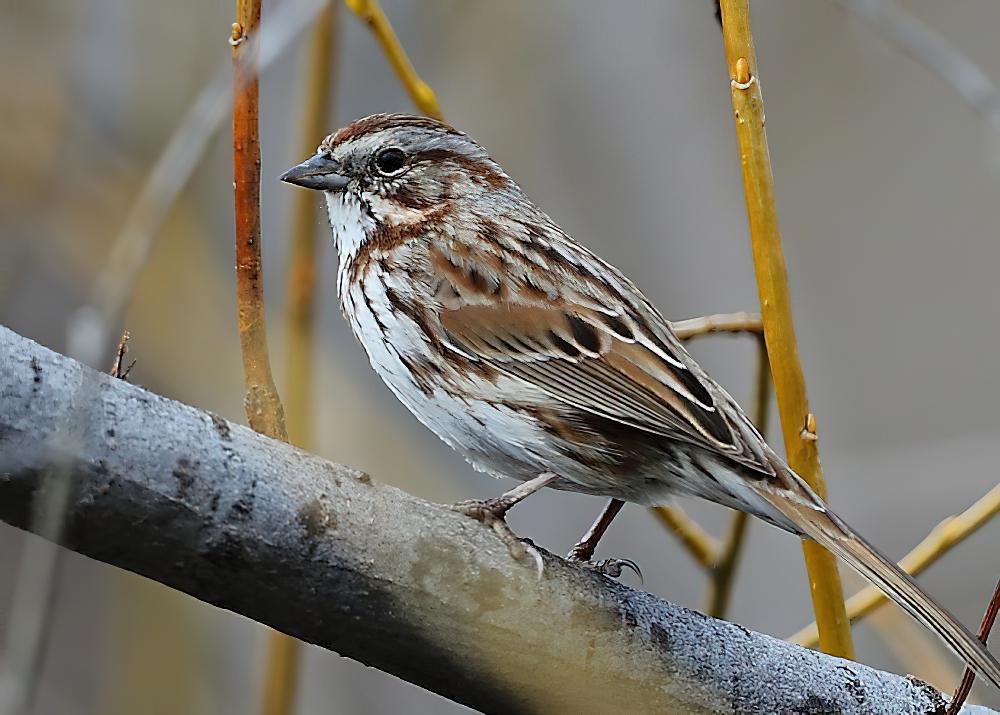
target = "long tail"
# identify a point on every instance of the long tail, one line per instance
(800, 505)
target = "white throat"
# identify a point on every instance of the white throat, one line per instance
(348, 222)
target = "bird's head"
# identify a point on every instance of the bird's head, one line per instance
(398, 168)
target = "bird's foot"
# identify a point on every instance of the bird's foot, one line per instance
(579, 554)
(613, 567)
(491, 512)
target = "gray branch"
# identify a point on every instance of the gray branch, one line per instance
(323, 553)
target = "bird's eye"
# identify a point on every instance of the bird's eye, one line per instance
(390, 161)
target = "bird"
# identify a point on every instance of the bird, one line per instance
(537, 360)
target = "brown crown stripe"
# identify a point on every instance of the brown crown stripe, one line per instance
(380, 122)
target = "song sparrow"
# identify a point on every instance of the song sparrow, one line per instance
(537, 360)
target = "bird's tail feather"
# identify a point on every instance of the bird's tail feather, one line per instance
(800, 505)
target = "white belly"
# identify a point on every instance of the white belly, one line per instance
(493, 437)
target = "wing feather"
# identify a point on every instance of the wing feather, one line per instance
(592, 341)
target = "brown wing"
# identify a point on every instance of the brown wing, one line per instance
(586, 336)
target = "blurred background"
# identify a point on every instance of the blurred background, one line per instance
(616, 119)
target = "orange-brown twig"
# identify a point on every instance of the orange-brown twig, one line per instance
(989, 618)
(263, 407)
(262, 404)
(776, 313)
(116, 366)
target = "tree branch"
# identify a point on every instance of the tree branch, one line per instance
(322, 553)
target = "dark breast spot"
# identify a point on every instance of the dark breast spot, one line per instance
(414, 313)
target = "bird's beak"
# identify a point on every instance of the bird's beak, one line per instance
(317, 172)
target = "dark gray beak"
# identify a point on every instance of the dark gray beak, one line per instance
(317, 172)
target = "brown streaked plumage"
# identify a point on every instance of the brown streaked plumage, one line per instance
(537, 360)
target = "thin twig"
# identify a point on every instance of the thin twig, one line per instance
(370, 12)
(30, 618)
(724, 573)
(262, 404)
(969, 676)
(693, 538)
(174, 166)
(772, 287)
(931, 49)
(281, 674)
(718, 323)
(945, 536)
(116, 366)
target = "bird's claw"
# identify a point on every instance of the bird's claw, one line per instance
(491, 513)
(606, 567)
(613, 567)
(484, 510)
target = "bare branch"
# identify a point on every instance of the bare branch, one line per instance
(322, 553)
(718, 323)
(931, 49)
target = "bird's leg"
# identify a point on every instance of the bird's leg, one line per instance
(492, 512)
(583, 551)
(585, 547)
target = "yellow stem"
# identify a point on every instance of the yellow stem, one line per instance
(772, 287)
(281, 675)
(370, 12)
(945, 536)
